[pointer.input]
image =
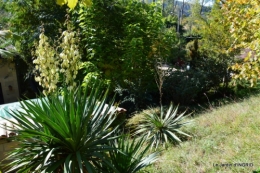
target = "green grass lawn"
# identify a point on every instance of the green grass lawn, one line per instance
(226, 135)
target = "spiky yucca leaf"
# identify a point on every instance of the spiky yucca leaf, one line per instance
(159, 128)
(130, 156)
(68, 134)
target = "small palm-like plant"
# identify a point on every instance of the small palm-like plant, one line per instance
(130, 156)
(159, 127)
(68, 133)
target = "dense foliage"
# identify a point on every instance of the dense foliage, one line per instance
(30, 18)
(124, 39)
(5, 16)
(127, 45)
(244, 22)
(187, 87)
(207, 57)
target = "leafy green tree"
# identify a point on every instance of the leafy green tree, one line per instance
(124, 39)
(207, 55)
(214, 31)
(194, 16)
(243, 22)
(215, 40)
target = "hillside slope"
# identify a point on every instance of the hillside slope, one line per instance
(228, 136)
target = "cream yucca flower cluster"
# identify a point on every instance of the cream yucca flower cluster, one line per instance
(46, 65)
(50, 63)
(70, 58)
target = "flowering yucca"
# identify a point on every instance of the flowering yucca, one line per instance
(47, 65)
(50, 63)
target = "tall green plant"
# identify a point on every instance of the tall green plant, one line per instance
(68, 133)
(118, 37)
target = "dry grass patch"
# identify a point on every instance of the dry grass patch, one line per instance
(227, 135)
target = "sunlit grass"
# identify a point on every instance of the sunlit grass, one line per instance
(226, 135)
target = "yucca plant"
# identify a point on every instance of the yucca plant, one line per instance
(131, 155)
(68, 133)
(159, 127)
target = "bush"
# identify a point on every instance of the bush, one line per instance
(133, 98)
(184, 87)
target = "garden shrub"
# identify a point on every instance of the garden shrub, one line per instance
(186, 86)
(183, 87)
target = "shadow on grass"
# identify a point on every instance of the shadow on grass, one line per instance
(213, 100)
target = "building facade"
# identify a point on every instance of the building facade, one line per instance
(9, 90)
